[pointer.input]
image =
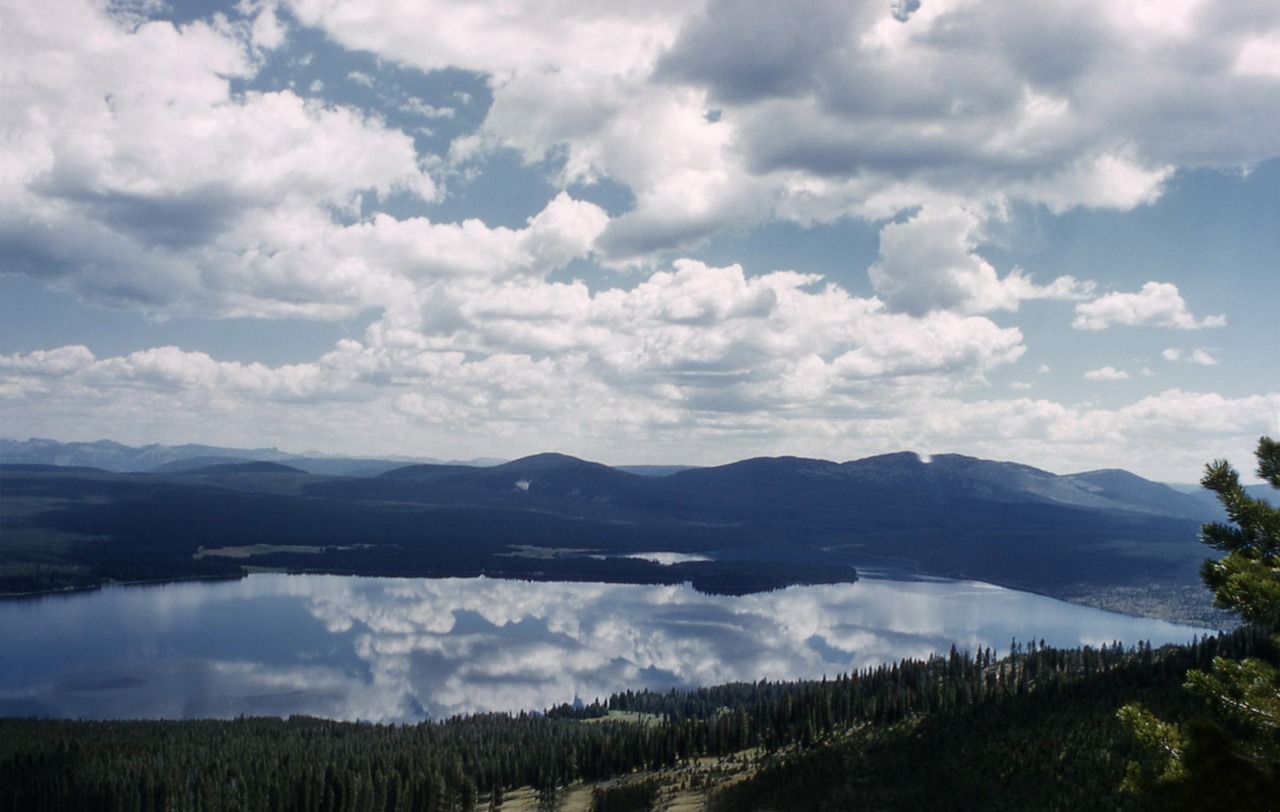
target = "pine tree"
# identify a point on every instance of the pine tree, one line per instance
(1233, 759)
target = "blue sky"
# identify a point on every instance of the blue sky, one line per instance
(687, 232)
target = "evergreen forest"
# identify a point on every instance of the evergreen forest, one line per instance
(1036, 728)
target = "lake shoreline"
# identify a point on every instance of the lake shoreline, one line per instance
(1178, 603)
(1174, 603)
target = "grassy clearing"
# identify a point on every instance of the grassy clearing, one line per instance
(686, 788)
(626, 716)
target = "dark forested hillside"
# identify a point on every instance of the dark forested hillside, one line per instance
(766, 523)
(1034, 729)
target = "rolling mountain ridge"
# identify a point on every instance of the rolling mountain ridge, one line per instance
(1105, 489)
(762, 523)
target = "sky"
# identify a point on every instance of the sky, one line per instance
(1045, 231)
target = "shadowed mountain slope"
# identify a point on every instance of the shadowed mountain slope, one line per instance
(535, 517)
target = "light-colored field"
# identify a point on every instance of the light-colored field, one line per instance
(626, 716)
(686, 788)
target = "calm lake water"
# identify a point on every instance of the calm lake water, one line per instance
(400, 650)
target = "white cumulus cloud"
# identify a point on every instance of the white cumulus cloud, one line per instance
(929, 263)
(690, 349)
(134, 176)
(1107, 373)
(1158, 304)
(1203, 358)
(827, 109)
(138, 172)
(1196, 356)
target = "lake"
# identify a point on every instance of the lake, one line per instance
(402, 650)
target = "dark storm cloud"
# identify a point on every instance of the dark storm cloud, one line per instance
(173, 219)
(1046, 45)
(746, 51)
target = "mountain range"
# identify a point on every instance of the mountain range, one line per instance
(112, 456)
(754, 524)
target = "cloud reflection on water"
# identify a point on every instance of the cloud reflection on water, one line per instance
(396, 650)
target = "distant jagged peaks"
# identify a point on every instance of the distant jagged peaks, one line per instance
(112, 456)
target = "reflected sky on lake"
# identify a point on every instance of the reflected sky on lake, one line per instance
(400, 650)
